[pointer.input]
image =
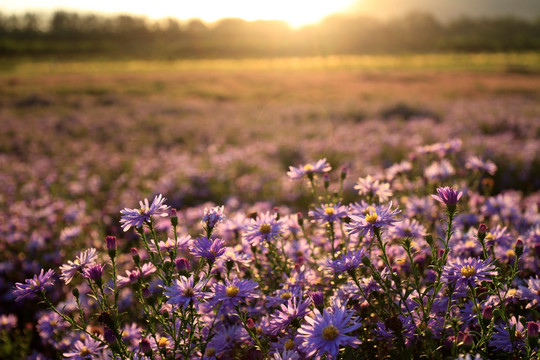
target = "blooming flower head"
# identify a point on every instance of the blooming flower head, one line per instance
(477, 164)
(94, 272)
(8, 322)
(470, 271)
(295, 309)
(329, 213)
(447, 196)
(34, 285)
(182, 292)
(210, 249)
(86, 350)
(394, 327)
(233, 292)
(530, 292)
(375, 218)
(137, 217)
(326, 332)
(501, 339)
(320, 166)
(352, 260)
(132, 276)
(213, 216)
(264, 228)
(373, 188)
(85, 259)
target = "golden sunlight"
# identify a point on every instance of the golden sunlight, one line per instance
(295, 12)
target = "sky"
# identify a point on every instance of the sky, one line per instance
(296, 12)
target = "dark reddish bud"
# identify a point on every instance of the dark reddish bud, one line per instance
(487, 313)
(135, 255)
(182, 265)
(532, 329)
(344, 172)
(250, 324)
(145, 346)
(174, 217)
(300, 218)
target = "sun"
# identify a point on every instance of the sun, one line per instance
(295, 12)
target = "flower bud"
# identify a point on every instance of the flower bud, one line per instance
(344, 172)
(300, 218)
(174, 217)
(75, 292)
(135, 255)
(183, 266)
(326, 179)
(250, 324)
(519, 247)
(532, 329)
(318, 299)
(109, 336)
(487, 313)
(146, 347)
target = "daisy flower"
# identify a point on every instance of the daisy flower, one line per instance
(320, 166)
(264, 228)
(470, 271)
(375, 218)
(137, 217)
(326, 332)
(329, 213)
(34, 285)
(234, 292)
(182, 292)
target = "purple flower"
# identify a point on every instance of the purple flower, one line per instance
(447, 196)
(134, 275)
(208, 249)
(182, 292)
(530, 292)
(501, 337)
(85, 259)
(34, 285)
(87, 350)
(329, 213)
(376, 217)
(234, 292)
(8, 322)
(295, 309)
(352, 260)
(213, 216)
(264, 228)
(137, 217)
(320, 166)
(394, 327)
(468, 272)
(94, 272)
(372, 188)
(325, 333)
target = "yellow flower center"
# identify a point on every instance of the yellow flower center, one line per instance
(289, 344)
(163, 342)
(286, 295)
(512, 292)
(470, 244)
(143, 210)
(84, 351)
(468, 271)
(371, 218)
(490, 236)
(518, 335)
(329, 210)
(265, 228)
(210, 352)
(330, 332)
(308, 167)
(232, 291)
(510, 253)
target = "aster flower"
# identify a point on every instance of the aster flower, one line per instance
(137, 217)
(352, 260)
(264, 228)
(373, 188)
(182, 292)
(447, 196)
(376, 218)
(286, 355)
(234, 292)
(295, 309)
(207, 248)
(439, 171)
(170, 244)
(477, 164)
(320, 166)
(8, 322)
(395, 326)
(94, 272)
(501, 339)
(467, 272)
(134, 275)
(34, 285)
(85, 259)
(326, 332)
(530, 292)
(213, 216)
(329, 213)
(86, 350)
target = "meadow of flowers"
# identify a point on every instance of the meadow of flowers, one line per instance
(205, 230)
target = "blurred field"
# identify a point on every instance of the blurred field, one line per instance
(112, 132)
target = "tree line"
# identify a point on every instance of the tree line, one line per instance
(70, 35)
